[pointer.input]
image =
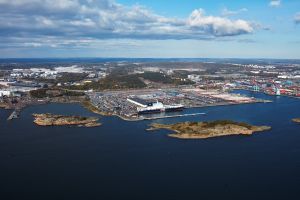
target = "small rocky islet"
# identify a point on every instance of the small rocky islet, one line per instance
(296, 120)
(49, 119)
(182, 130)
(202, 130)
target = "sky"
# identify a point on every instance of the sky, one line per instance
(150, 29)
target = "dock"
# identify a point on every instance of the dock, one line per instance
(172, 116)
(14, 115)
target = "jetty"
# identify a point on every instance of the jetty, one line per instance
(172, 116)
(14, 115)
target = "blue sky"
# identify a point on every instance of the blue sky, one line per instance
(140, 28)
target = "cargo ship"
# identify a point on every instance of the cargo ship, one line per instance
(148, 111)
(173, 108)
(159, 107)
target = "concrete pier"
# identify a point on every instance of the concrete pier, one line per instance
(14, 115)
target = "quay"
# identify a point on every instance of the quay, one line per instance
(14, 115)
(171, 116)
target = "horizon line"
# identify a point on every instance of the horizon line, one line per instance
(158, 58)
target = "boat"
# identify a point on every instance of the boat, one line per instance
(156, 107)
(159, 107)
(174, 108)
(148, 111)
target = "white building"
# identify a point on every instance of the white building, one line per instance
(194, 77)
(5, 93)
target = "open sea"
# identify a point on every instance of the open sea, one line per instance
(121, 160)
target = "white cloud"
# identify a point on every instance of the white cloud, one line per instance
(226, 12)
(55, 21)
(275, 3)
(218, 26)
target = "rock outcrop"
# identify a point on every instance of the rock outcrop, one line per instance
(61, 120)
(201, 130)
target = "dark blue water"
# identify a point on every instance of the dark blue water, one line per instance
(120, 160)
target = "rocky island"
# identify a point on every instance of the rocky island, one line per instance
(61, 120)
(296, 120)
(202, 130)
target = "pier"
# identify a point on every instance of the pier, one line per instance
(14, 115)
(172, 116)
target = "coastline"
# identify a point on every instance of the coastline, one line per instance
(281, 95)
(230, 104)
(90, 107)
(142, 118)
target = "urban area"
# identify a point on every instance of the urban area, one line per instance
(134, 91)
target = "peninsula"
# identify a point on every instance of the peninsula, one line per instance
(61, 120)
(202, 130)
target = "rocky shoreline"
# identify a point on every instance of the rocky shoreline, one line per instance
(61, 120)
(202, 130)
(296, 120)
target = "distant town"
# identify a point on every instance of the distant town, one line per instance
(132, 90)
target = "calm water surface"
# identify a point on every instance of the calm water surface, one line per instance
(120, 160)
